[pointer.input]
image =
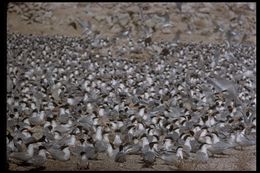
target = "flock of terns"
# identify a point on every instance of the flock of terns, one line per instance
(186, 102)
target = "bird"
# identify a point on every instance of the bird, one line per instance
(39, 160)
(111, 150)
(117, 140)
(86, 26)
(168, 143)
(230, 34)
(91, 153)
(23, 156)
(121, 155)
(82, 162)
(149, 156)
(61, 128)
(62, 153)
(133, 149)
(176, 39)
(188, 146)
(73, 24)
(244, 140)
(179, 6)
(69, 140)
(165, 108)
(217, 146)
(202, 154)
(171, 157)
(37, 118)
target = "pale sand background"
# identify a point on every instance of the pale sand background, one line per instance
(56, 18)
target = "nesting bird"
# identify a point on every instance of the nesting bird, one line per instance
(161, 107)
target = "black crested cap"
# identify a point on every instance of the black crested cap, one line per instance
(157, 137)
(50, 127)
(121, 147)
(129, 127)
(151, 144)
(90, 140)
(192, 133)
(143, 135)
(42, 147)
(82, 153)
(64, 146)
(42, 139)
(81, 140)
(185, 137)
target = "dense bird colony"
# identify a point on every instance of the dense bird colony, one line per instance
(160, 100)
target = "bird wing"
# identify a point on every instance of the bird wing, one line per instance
(56, 154)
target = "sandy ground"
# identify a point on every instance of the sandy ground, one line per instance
(200, 16)
(62, 15)
(236, 160)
